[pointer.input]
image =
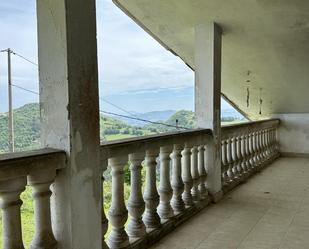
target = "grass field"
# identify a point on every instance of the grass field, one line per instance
(27, 218)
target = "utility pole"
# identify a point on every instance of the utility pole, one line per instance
(11, 119)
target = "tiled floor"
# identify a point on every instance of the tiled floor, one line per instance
(270, 210)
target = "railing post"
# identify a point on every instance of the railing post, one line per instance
(10, 191)
(177, 183)
(151, 196)
(136, 205)
(207, 59)
(40, 182)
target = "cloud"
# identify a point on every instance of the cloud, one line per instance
(129, 59)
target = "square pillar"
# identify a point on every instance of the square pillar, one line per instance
(207, 60)
(69, 102)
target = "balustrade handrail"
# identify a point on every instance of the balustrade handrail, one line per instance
(131, 145)
(38, 169)
(23, 163)
(228, 130)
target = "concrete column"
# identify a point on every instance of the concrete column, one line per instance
(208, 98)
(68, 75)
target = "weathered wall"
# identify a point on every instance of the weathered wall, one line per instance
(294, 133)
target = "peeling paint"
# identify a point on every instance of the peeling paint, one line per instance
(248, 97)
(260, 102)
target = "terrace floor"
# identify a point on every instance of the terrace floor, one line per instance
(270, 210)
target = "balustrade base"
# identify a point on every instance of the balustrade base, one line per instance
(245, 177)
(154, 235)
(216, 197)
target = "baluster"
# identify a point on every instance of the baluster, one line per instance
(239, 156)
(177, 185)
(195, 175)
(151, 196)
(40, 182)
(118, 213)
(275, 140)
(234, 158)
(248, 163)
(224, 166)
(244, 156)
(10, 191)
(261, 146)
(258, 149)
(251, 152)
(104, 220)
(255, 149)
(265, 147)
(270, 142)
(165, 210)
(136, 205)
(186, 176)
(202, 172)
(229, 160)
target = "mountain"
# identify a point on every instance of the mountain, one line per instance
(182, 118)
(27, 125)
(151, 116)
(26, 128)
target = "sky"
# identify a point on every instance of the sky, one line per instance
(135, 71)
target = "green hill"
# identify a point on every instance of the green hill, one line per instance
(27, 127)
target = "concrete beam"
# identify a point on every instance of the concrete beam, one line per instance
(68, 75)
(207, 58)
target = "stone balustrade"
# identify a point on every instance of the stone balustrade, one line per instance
(174, 187)
(246, 149)
(37, 169)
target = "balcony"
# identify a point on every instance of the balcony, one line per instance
(182, 161)
(213, 187)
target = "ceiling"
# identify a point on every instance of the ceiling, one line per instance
(265, 53)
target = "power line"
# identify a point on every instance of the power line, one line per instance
(137, 118)
(144, 120)
(104, 100)
(118, 107)
(116, 114)
(25, 89)
(24, 58)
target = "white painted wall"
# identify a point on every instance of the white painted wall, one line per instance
(294, 132)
